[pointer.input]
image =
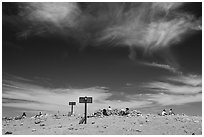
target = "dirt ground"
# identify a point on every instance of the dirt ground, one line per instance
(109, 125)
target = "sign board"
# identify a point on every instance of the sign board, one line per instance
(72, 103)
(85, 99)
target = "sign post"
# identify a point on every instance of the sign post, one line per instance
(85, 100)
(72, 106)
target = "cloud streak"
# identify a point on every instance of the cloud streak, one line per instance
(189, 84)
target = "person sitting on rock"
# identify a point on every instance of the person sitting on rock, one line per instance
(24, 115)
(171, 112)
(39, 115)
(109, 108)
(127, 111)
(164, 112)
(105, 112)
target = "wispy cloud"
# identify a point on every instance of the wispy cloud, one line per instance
(166, 99)
(35, 97)
(149, 26)
(182, 84)
(163, 66)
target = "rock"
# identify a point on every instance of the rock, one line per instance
(8, 132)
(42, 124)
(196, 121)
(138, 130)
(71, 128)
(37, 122)
(147, 120)
(21, 124)
(59, 126)
(33, 130)
(92, 122)
(193, 133)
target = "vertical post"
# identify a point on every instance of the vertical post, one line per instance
(72, 109)
(85, 110)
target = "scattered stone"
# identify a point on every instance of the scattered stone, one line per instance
(71, 128)
(42, 124)
(196, 121)
(92, 122)
(21, 124)
(138, 130)
(33, 130)
(59, 126)
(8, 132)
(185, 131)
(193, 133)
(37, 122)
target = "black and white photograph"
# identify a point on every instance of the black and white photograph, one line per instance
(101, 68)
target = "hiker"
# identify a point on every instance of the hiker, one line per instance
(171, 112)
(38, 115)
(164, 112)
(127, 111)
(109, 108)
(105, 112)
(124, 111)
(24, 115)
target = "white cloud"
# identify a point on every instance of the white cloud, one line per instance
(151, 26)
(163, 66)
(182, 84)
(165, 99)
(60, 14)
(41, 98)
(148, 25)
(192, 80)
(29, 96)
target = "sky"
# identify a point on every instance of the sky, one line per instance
(144, 56)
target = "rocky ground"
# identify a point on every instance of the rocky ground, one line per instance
(146, 124)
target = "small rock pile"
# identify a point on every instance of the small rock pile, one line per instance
(117, 112)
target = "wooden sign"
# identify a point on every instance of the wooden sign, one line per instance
(72, 107)
(85, 99)
(72, 103)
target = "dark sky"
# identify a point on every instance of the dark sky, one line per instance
(93, 47)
